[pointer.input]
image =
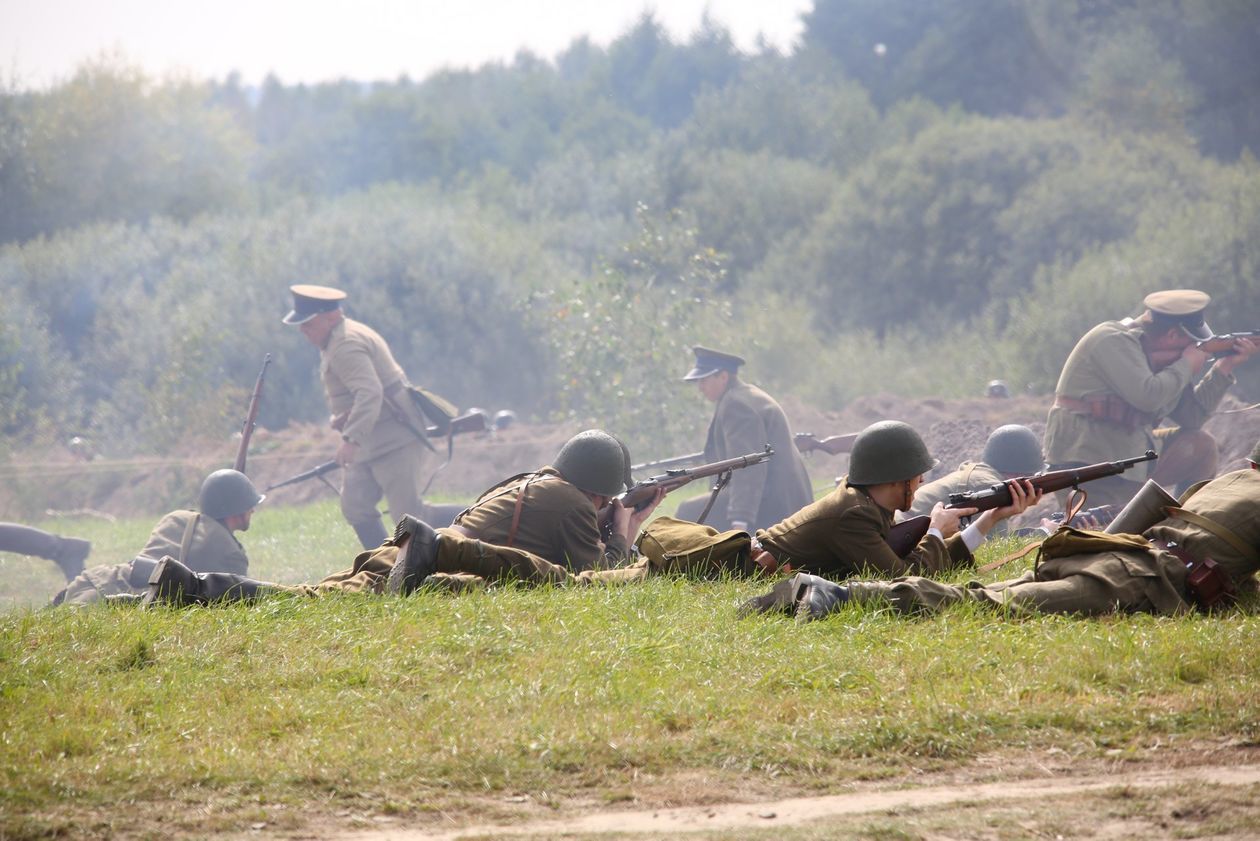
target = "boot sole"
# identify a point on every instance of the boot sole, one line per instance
(417, 559)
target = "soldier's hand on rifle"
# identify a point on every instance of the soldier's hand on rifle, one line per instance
(945, 520)
(1197, 357)
(1023, 497)
(347, 453)
(627, 521)
(1243, 349)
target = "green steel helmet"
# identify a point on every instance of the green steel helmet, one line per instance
(1014, 449)
(1254, 458)
(595, 462)
(227, 492)
(888, 451)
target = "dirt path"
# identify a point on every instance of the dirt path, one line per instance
(782, 813)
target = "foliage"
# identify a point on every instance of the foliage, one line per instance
(622, 337)
(998, 176)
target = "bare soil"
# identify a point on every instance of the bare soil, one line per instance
(58, 480)
(686, 803)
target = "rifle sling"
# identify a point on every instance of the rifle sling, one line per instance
(186, 543)
(721, 483)
(1014, 556)
(1217, 529)
(400, 414)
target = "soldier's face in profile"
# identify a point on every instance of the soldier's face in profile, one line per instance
(713, 385)
(316, 330)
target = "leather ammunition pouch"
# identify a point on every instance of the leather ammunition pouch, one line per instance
(1207, 585)
(141, 569)
(1108, 408)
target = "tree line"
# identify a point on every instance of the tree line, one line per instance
(918, 198)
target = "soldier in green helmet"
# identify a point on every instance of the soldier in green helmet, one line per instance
(204, 540)
(844, 533)
(537, 527)
(1012, 450)
(1201, 554)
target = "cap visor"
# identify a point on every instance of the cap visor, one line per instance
(1198, 331)
(699, 373)
(295, 317)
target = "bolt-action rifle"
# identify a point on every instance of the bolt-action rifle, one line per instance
(668, 463)
(1216, 347)
(641, 493)
(832, 445)
(904, 536)
(251, 415)
(471, 422)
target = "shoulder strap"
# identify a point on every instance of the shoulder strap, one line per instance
(1246, 550)
(186, 543)
(520, 504)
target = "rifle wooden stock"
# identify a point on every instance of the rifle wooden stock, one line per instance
(251, 415)
(668, 463)
(833, 445)
(471, 422)
(641, 493)
(904, 536)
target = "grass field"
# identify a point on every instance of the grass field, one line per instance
(310, 717)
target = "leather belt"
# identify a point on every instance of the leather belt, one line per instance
(1108, 408)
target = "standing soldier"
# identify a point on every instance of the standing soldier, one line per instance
(383, 439)
(1123, 377)
(745, 420)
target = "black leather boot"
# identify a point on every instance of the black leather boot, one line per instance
(818, 598)
(417, 559)
(781, 598)
(175, 584)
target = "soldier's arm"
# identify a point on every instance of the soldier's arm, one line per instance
(1198, 404)
(1124, 368)
(745, 432)
(353, 366)
(580, 547)
(860, 541)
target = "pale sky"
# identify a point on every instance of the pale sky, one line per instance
(43, 41)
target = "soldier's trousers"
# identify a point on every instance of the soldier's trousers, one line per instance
(463, 563)
(397, 475)
(1088, 585)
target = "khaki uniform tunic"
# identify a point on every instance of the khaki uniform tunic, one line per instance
(557, 536)
(213, 548)
(363, 384)
(843, 534)
(1109, 360)
(745, 420)
(1151, 581)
